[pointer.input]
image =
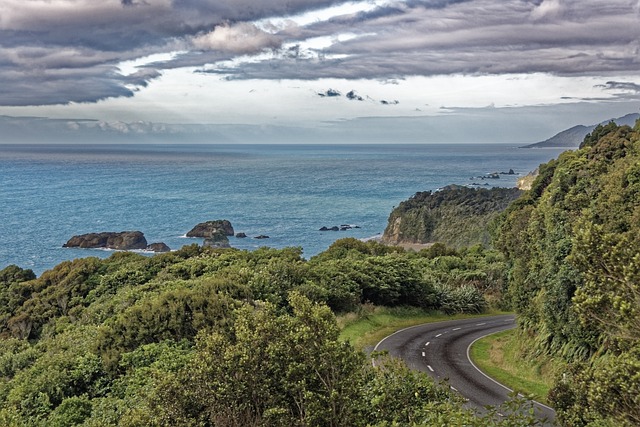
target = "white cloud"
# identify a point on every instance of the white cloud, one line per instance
(264, 62)
(241, 38)
(548, 9)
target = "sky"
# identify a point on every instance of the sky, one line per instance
(450, 71)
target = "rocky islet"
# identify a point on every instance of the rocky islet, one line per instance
(122, 241)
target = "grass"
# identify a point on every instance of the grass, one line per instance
(500, 356)
(371, 324)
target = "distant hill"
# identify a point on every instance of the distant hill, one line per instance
(572, 137)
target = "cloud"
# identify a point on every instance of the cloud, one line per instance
(470, 37)
(60, 51)
(547, 9)
(621, 90)
(331, 93)
(353, 96)
(625, 86)
(242, 38)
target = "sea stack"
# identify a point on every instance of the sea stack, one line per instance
(209, 228)
(214, 233)
(124, 240)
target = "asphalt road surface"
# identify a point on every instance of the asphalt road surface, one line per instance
(441, 349)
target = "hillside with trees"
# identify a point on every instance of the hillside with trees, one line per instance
(572, 245)
(457, 216)
(208, 336)
(223, 337)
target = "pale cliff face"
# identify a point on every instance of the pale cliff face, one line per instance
(392, 234)
(526, 181)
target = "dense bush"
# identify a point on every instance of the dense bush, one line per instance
(573, 245)
(115, 342)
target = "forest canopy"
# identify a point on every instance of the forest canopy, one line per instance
(204, 336)
(572, 245)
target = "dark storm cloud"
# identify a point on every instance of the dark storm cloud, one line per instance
(59, 51)
(620, 90)
(482, 36)
(490, 37)
(625, 86)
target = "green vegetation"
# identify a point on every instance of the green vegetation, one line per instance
(499, 356)
(456, 216)
(573, 244)
(210, 336)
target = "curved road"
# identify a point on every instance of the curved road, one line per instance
(441, 350)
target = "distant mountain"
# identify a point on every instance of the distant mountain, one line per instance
(572, 137)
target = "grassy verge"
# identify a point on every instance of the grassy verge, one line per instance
(367, 327)
(500, 356)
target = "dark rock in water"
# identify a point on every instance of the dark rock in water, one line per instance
(343, 227)
(241, 235)
(493, 175)
(158, 247)
(217, 240)
(124, 240)
(262, 236)
(209, 228)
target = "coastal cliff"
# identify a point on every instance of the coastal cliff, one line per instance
(526, 181)
(456, 216)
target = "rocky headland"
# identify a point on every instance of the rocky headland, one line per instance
(572, 138)
(457, 216)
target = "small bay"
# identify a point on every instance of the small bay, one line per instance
(52, 192)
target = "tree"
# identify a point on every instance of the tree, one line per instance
(271, 370)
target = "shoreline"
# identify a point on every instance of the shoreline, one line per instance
(405, 245)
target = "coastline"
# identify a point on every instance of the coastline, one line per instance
(405, 245)
(285, 192)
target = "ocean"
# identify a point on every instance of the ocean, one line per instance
(288, 192)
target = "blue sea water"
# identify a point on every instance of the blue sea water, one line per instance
(49, 193)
